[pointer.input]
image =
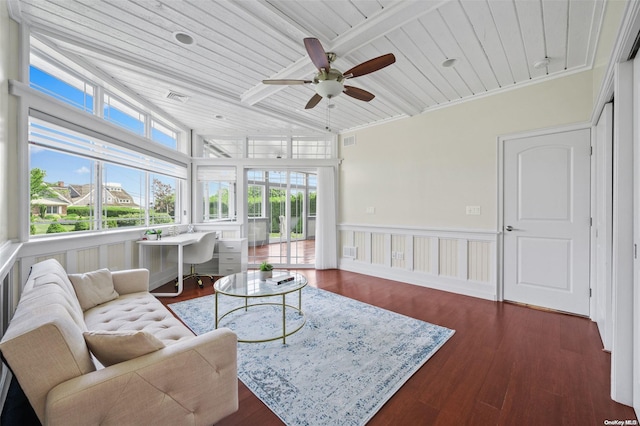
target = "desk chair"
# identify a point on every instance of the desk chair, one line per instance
(195, 254)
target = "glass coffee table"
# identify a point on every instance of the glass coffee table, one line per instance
(247, 285)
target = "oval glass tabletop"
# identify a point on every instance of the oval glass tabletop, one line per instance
(248, 284)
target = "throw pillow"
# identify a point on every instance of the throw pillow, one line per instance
(93, 288)
(112, 347)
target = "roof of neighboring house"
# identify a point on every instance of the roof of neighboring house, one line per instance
(82, 195)
(49, 202)
(55, 199)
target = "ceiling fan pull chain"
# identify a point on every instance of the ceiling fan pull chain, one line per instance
(328, 126)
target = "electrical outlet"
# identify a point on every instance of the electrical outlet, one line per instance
(473, 210)
(397, 255)
(371, 210)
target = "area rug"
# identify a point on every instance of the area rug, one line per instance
(348, 359)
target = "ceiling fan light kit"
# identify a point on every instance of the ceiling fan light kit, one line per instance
(329, 82)
(329, 88)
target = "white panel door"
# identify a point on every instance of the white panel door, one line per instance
(546, 220)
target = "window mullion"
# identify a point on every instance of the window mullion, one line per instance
(98, 194)
(147, 198)
(98, 102)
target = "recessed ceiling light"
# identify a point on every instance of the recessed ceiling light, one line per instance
(448, 63)
(542, 63)
(183, 38)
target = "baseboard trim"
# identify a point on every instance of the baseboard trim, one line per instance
(481, 290)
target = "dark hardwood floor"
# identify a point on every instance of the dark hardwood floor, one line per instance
(506, 364)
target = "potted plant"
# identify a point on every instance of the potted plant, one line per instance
(266, 270)
(153, 234)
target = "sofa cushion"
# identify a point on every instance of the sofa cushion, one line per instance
(50, 271)
(93, 288)
(138, 311)
(113, 347)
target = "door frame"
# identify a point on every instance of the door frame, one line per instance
(502, 140)
(602, 227)
(312, 170)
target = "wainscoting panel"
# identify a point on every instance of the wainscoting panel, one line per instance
(116, 256)
(460, 261)
(360, 242)
(378, 248)
(88, 260)
(448, 249)
(422, 254)
(60, 257)
(479, 261)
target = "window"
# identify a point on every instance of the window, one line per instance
(311, 148)
(267, 148)
(223, 148)
(80, 175)
(256, 193)
(54, 78)
(62, 86)
(123, 191)
(162, 201)
(123, 115)
(319, 147)
(218, 188)
(164, 135)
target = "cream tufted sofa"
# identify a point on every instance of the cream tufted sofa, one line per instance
(189, 380)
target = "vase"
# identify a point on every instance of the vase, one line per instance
(265, 274)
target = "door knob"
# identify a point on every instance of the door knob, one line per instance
(509, 228)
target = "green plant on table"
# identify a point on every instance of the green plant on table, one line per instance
(264, 266)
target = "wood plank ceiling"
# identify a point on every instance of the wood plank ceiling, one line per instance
(237, 44)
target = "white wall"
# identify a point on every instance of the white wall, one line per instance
(424, 170)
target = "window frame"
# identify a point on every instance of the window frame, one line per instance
(100, 160)
(100, 91)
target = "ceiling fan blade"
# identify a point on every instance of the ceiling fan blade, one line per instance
(313, 101)
(316, 53)
(360, 94)
(371, 65)
(284, 81)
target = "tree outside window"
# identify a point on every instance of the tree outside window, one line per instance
(163, 202)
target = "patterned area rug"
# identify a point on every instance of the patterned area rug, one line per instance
(342, 366)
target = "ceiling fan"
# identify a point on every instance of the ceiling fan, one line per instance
(329, 81)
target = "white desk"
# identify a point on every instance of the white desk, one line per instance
(179, 241)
